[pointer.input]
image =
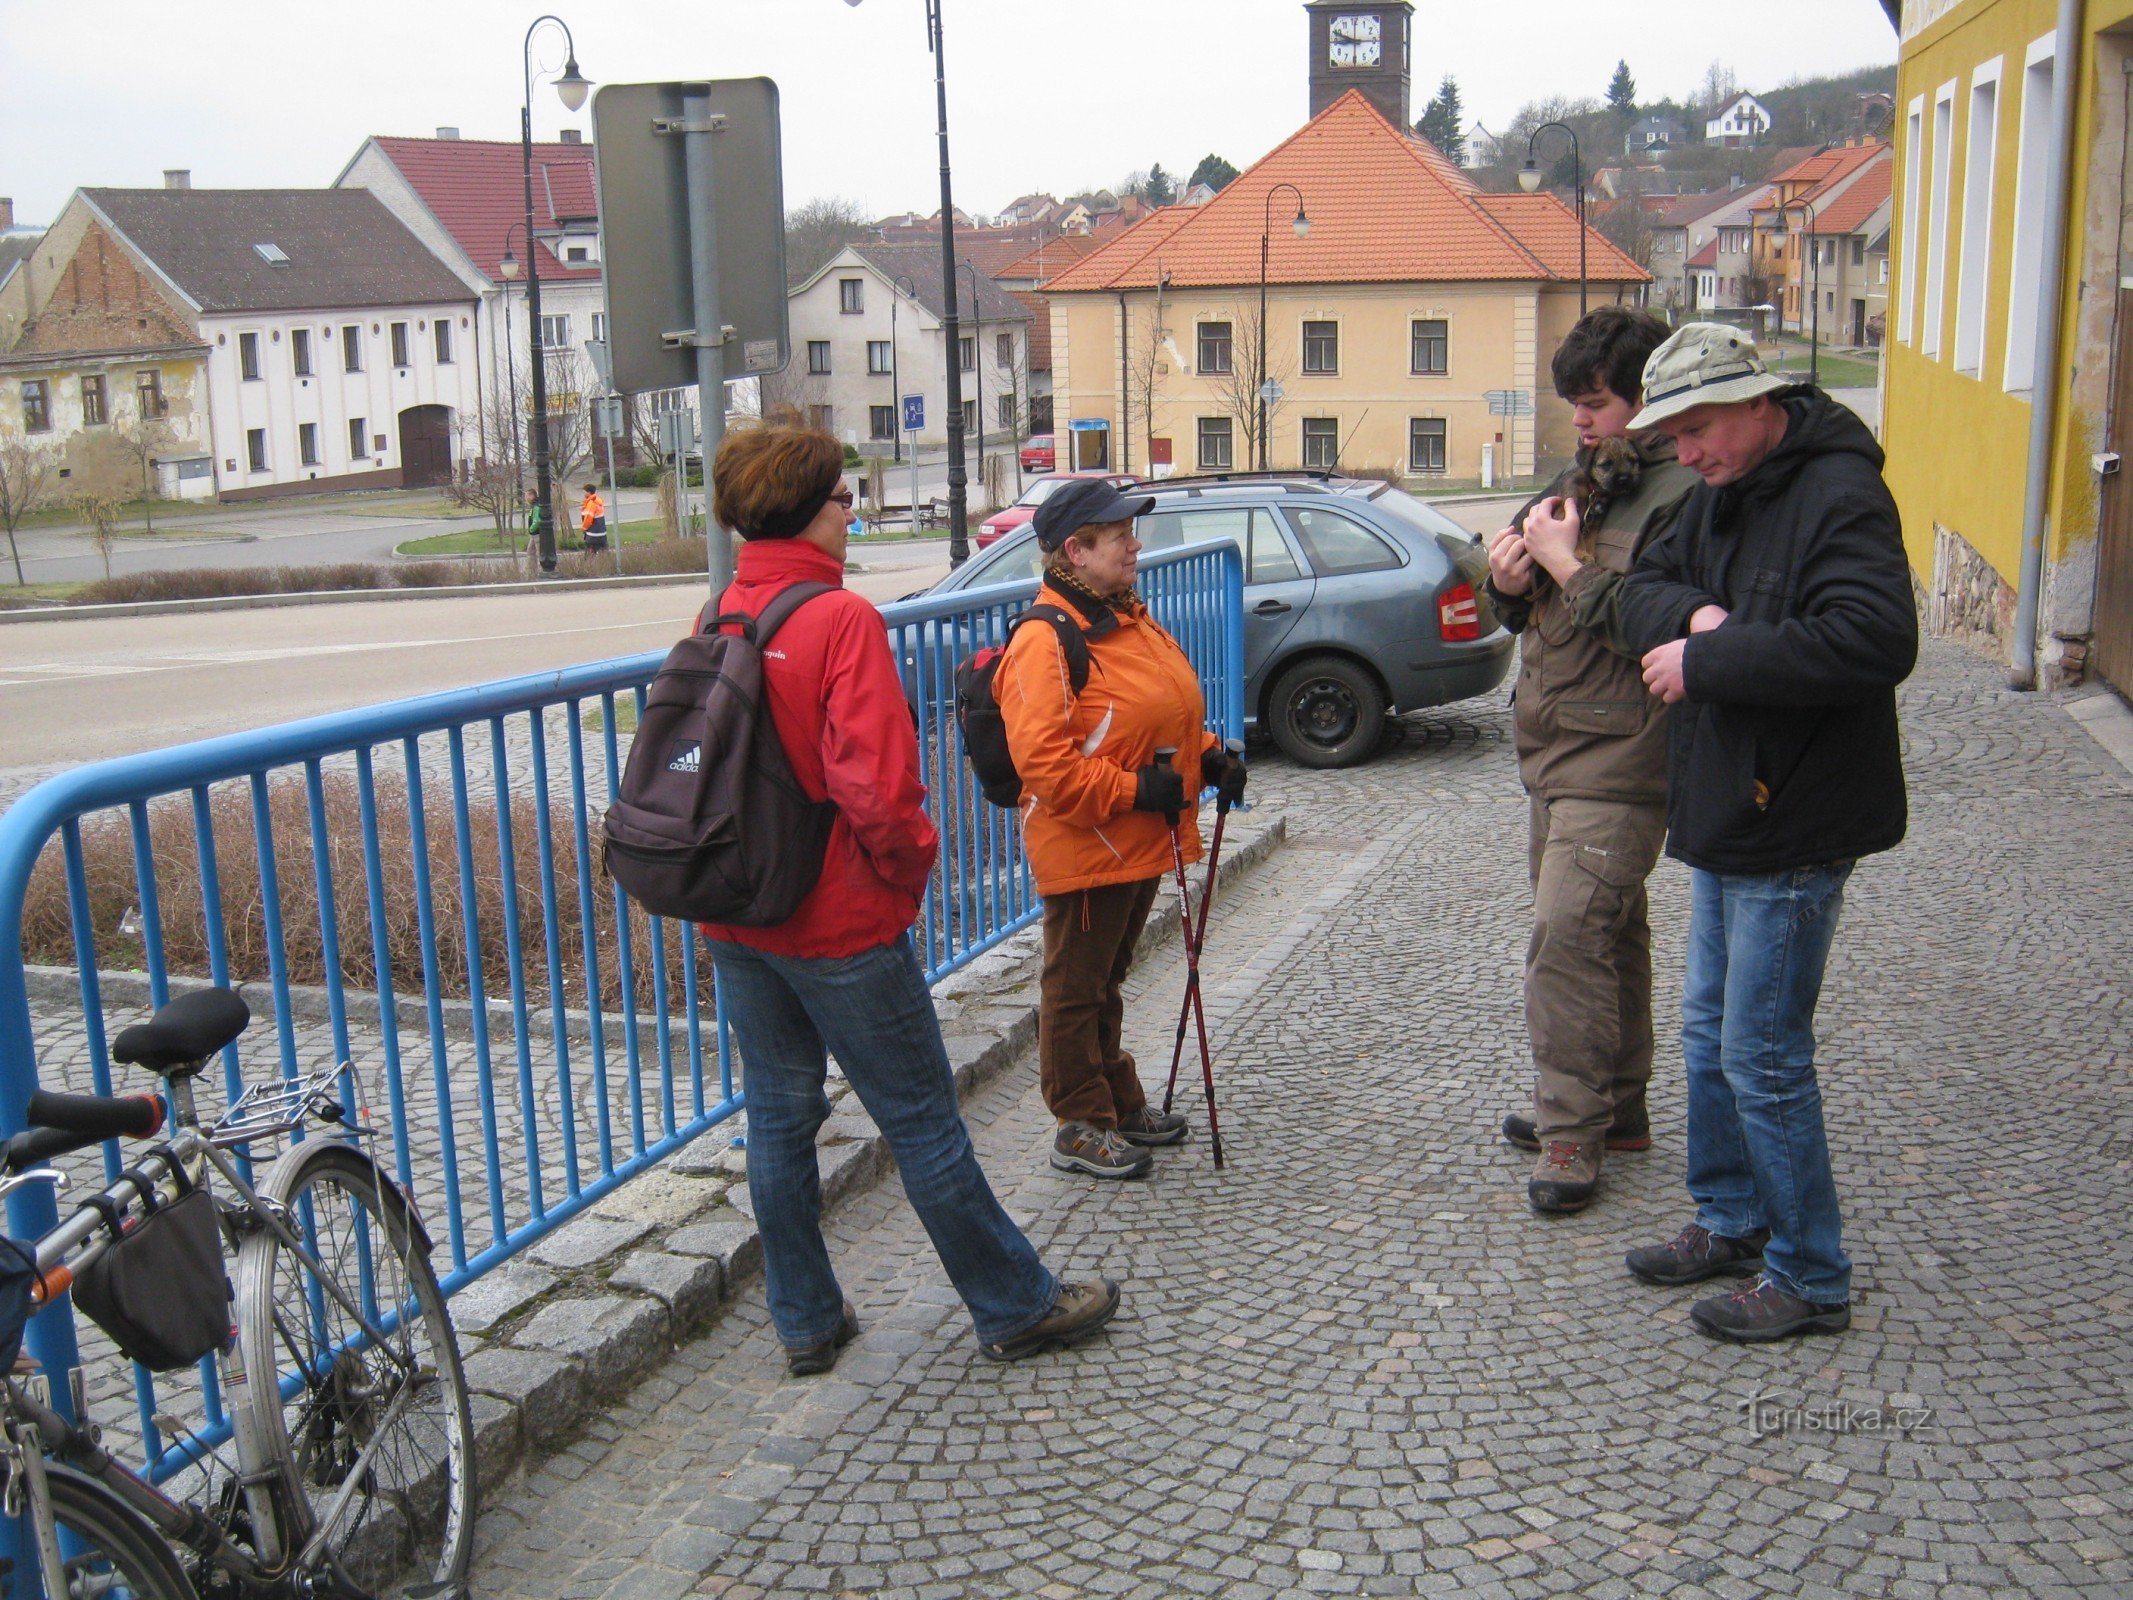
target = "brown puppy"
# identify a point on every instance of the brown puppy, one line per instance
(1609, 470)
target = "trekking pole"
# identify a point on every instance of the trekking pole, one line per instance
(1192, 1006)
(1185, 932)
(1235, 749)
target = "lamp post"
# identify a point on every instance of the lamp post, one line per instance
(1529, 179)
(977, 375)
(958, 478)
(571, 88)
(508, 270)
(1302, 225)
(1814, 312)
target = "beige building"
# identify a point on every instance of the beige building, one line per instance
(1405, 301)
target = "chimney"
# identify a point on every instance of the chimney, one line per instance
(177, 177)
(447, 133)
(7, 213)
(1738, 182)
(573, 136)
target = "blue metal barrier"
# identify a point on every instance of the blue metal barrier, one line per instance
(183, 824)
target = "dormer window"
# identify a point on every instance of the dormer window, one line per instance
(272, 254)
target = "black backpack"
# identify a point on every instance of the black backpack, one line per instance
(978, 712)
(710, 824)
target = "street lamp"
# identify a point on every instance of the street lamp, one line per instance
(1814, 249)
(1302, 225)
(571, 88)
(958, 529)
(977, 373)
(1529, 179)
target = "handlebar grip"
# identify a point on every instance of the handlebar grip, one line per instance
(134, 1116)
(25, 1150)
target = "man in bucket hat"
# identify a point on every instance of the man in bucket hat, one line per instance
(1776, 616)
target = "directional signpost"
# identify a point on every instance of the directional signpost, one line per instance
(692, 245)
(914, 424)
(1511, 404)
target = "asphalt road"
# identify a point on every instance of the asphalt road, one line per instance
(82, 689)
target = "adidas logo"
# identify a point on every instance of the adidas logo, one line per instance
(689, 758)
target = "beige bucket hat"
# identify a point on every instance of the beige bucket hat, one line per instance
(1704, 364)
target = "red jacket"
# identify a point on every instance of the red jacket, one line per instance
(839, 707)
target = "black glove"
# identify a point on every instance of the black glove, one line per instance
(1157, 787)
(1226, 773)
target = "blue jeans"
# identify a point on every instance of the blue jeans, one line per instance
(874, 1011)
(1758, 1157)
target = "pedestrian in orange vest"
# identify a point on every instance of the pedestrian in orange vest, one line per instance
(592, 520)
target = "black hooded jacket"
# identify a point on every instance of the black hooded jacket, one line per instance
(1785, 753)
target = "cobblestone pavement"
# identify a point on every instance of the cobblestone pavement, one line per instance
(1354, 1363)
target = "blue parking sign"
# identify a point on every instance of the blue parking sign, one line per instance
(914, 413)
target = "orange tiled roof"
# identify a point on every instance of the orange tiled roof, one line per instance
(1850, 211)
(1384, 208)
(1053, 256)
(1826, 167)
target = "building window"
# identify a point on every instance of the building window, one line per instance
(821, 417)
(36, 407)
(970, 418)
(300, 351)
(881, 422)
(2025, 278)
(255, 449)
(307, 443)
(599, 327)
(1322, 347)
(1425, 444)
(399, 338)
(1004, 349)
(880, 359)
(555, 332)
(1215, 444)
(357, 431)
(248, 356)
(966, 353)
(1429, 346)
(1858, 251)
(148, 393)
(1936, 221)
(441, 331)
(578, 253)
(351, 349)
(1214, 343)
(93, 409)
(851, 296)
(1979, 159)
(818, 356)
(1322, 443)
(1007, 413)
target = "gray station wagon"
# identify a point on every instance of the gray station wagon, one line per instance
(1360, 601)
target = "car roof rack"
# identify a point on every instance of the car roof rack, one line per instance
(1281, 478)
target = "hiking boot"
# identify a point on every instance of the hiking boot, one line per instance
(1621, 1136)
(1079, 1311)
(806, 1360)
(1564, 1178)
(1150, 1126)
(1696, 1253)
(1099, 1152)
(1763, 1312)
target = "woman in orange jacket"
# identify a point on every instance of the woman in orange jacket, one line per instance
(1099, 812)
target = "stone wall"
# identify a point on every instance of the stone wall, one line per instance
(1967, 598)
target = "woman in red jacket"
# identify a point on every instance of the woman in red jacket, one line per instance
(841, 974)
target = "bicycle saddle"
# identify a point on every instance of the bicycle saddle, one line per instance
(178, 1039)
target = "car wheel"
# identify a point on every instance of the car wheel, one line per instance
(1326, 712)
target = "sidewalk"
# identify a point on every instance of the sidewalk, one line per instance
(1354, 1363)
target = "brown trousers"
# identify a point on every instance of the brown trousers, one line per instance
(1081, 1013)
(1589, 964)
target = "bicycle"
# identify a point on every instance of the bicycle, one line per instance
(354, 1447)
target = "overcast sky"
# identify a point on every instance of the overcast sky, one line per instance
(1043, 94)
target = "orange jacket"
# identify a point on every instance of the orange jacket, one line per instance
(1077, 755)
(590, 510)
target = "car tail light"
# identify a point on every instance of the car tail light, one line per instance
(1458, 613)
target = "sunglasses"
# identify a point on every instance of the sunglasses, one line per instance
(842, 497)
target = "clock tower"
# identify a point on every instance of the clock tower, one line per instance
(1361, 44)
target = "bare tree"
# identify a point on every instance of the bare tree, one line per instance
(146, 438)
(1144, 363)
(817, 231)
(570, 390)
(102, 472)
(1626, 222)
(1237, 391)
(490, 484)
(1717, 89)
(25, 476)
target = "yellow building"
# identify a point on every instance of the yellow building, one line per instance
(2009, 358)
(1398, 298)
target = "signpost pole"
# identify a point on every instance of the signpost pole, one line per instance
(611, 414)
(710, 331)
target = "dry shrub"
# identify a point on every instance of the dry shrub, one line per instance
(214, 583)
(108, 858)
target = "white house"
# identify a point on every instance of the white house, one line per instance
(1742, 121)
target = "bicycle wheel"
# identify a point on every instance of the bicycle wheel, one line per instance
(110, 1552)
(377, 1433)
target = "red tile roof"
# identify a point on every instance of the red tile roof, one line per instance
(476, 190)
(1689, 208)
(1708, 255)
(1384, 208)
(1053, 256)
(1851, 210)
(1826, 167)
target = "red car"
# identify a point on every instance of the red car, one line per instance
(1008, 519)
(1039, 453)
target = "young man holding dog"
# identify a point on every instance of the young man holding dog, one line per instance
(1777, 618)
(1592, 754)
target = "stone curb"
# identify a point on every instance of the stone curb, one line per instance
(338, 597)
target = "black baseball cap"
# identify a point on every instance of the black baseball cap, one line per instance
(1082, 502)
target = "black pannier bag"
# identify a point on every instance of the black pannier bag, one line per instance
(710, 825)
(160, 1290)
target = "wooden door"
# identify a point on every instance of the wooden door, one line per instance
(425, 447)
(2113, 621)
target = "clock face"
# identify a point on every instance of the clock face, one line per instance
(1353, 41)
